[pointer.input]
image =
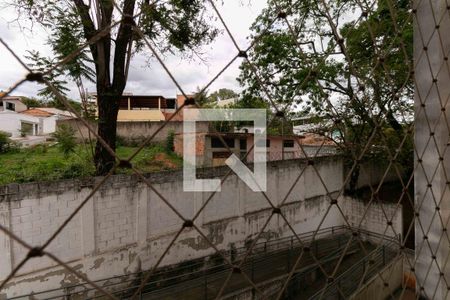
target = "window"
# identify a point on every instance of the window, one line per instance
(243, 144)
(10, 106)
(288, 143)
(217, 143)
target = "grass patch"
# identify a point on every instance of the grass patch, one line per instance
(47, 163)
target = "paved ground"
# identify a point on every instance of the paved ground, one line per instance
(407, 295)
(268, 267)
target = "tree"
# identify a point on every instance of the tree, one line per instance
(38, 63)
(342, 63)
(65, 136)
(222, 94)
(5, 141)
(32, 102)
(171, 25)
(201, 97)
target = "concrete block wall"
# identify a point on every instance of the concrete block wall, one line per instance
(126, 226)
(133, 131)
(375, 218)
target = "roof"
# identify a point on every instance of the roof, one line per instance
(37, 113)
(57, 111)
(11, 98)
(47, 112)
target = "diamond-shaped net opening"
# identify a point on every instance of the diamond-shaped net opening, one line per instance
(356, 200)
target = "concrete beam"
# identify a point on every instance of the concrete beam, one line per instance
(432, 199)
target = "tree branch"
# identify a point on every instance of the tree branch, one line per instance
(124, 38)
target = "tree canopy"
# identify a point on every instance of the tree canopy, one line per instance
(169, 26)
(342, 62)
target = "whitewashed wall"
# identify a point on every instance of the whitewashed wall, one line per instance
(126, 227)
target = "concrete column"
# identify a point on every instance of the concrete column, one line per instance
(5, 242)
(142, 215)
(87, 224)
(432, 91)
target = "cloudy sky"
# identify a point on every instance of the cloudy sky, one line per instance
(238, 14)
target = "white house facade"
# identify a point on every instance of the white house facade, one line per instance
(16, 123)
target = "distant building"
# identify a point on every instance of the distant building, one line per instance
(210, 151)
(135, 108)
(226, 102)
(47, 118)
(12, 103)
(310, 124)
(19, 121)
(179, 101)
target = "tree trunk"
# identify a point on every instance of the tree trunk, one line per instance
(108, 107)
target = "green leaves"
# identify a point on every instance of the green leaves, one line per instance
(65, 136)
(343, 61)
(42, 64)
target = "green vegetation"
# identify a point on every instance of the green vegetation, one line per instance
(353, 73)
(65, 136)
(175, 26)
(4, 141)
(170, 139)
(45, 163)
(6, 144)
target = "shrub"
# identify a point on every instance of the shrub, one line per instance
(120, 141)
(65, 136)
(170, 141)
(6, 144)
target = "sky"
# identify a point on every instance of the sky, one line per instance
(143, 79)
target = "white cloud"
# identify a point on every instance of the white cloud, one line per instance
(143, 79)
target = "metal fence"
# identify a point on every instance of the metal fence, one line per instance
(355, 66)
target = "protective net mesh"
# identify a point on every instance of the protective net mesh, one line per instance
(376, 74)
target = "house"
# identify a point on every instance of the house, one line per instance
(47, 117)
(312, 124)
(179, 101)
(12, 103)
(29, 122)
(18, 124)
(135, 108)
(210, 151)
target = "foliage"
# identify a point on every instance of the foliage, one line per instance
(5, 142)
(57, 104)
(47, 163)
(222, 94)
(50, 102)
(65, 136)
(23, 131)
(201, 97)
(39, 63)
(170, 139)
(32, 102)
(347, 67)
(170, 26)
